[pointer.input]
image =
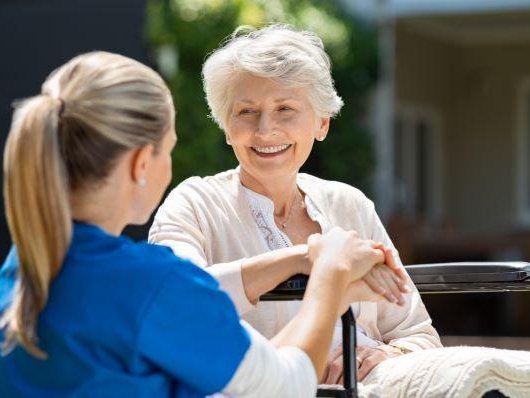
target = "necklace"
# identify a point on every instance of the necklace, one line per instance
(283, 224)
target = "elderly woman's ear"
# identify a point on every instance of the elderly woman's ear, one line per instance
(322, 132)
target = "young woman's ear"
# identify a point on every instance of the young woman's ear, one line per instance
(140, 163)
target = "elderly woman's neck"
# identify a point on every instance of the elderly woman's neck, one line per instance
(282, 191)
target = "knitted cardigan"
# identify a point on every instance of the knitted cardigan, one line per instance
(208, 220)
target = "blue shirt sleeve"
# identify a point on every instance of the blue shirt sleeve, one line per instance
(192, 331)
(8, 278)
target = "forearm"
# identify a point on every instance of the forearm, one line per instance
(264, 272)
(312, 328)
(269, 372)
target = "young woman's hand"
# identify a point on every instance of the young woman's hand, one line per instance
(344, 251)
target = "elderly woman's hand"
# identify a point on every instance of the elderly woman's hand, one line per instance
(368, 358)
(386, 281)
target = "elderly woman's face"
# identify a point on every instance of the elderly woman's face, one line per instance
(271, 127)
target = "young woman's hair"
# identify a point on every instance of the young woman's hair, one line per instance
(90, 111)
(294, 59)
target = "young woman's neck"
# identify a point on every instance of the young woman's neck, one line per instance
(104, 205)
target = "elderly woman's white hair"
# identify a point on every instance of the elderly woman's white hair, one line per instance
(294, 59)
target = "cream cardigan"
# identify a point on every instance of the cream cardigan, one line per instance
(208, 220)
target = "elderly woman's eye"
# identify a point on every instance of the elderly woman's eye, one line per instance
(246, 111)
(285, 108)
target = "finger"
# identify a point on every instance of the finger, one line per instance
(363, 352)
(385, 276)
(374, 284)
(365, 368)
(370, 363)
(378, 245)
(392, 286)
(379, 255)
(401, 283)
(391, 262)
(374, 278)
(335, 371)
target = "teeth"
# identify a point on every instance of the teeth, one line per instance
(270, 149)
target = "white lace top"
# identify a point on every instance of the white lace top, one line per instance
(262, 210)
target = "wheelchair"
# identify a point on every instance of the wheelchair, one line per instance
(441, 278)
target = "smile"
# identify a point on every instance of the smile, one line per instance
(271, 149)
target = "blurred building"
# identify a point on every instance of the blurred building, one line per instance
(452, 123)
(451, 117)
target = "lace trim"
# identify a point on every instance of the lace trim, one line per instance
(266, 231)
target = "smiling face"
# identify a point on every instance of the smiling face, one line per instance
(271, 129)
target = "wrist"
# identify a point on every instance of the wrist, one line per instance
(335, 275)
(301, 263)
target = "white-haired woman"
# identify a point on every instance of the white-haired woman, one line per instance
(87, 313)
(272, 94)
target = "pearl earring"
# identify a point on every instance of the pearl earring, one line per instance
(142, 182)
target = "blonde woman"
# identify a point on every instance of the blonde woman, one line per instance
(272, 94)
(87, 313)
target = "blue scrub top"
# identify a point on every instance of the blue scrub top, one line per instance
(125, 319)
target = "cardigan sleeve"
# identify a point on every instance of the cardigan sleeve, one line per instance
(177, 225)
(410, 326)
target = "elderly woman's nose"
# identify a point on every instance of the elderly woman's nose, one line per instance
(265, 123)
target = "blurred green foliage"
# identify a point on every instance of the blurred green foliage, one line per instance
(181, 33)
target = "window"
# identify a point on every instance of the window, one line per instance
(417, 162)
(523, 153)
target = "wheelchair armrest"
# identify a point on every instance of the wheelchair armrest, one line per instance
(292, 289)
(470, 276)
(462, 277)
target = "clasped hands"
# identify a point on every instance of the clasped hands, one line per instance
(375, 276)
(371, 271)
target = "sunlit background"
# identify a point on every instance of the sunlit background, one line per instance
(435, 127)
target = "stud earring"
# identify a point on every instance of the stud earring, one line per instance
(142, 182)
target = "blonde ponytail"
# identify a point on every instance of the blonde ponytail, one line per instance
(38, 212)
(92, 110)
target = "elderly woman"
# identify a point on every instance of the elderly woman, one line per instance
(272, 94)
